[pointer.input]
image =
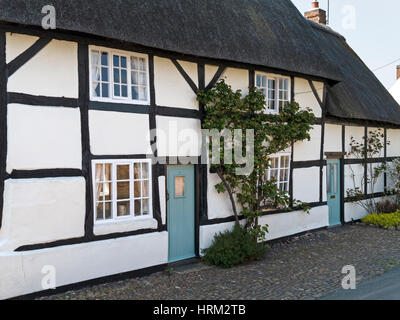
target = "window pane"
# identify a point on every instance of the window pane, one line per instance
(179, 186)
(145, 170)
(143, 93)
(142, 64)
(145, 189)
(99, 174)
(124, 91)
(134, 63)
(104, 58)
(105, 87)
(258, 80)
(123, 209)
(117, 90)
(264, 82)
(96, 89)
(123, 172)
(137, 168)
(95, 58)
(116, 75)
(124, 77)
(138, 207)
(107, 191)
(135, 93)
(99, 192)
(96, 74)
(99, 211)
(142, 79)
(123, 62)
(108, 210)
(116, 61)
(146, 207)
(135, 77)
(104, 74)
(138, 189)
(123, 190)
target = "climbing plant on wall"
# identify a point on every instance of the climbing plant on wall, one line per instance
(229, 112)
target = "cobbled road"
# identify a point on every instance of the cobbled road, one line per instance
(306, 267)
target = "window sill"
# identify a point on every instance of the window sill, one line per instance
(121, 101)
(125, 226)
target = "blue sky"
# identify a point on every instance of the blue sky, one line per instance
(370, 27)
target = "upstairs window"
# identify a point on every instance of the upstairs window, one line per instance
(118, 76)
(122, 190)
(275, 89)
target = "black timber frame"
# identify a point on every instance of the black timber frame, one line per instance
(153, 110)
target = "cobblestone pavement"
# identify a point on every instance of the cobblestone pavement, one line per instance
(306, 267)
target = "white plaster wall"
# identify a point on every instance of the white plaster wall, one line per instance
(210, 72)
(333, 138)
(125, 226)
(380, 184)
(171, 88)
(43, 138)
(21, 273)
(17, 44)
(114, 133)
(393, 136)
(358, 171)
(324, 186)
(41, 211)
(280, 225)
(306, 184)
(357, 133)
(219, 205)
(238, 79)
(163, 199)
(305, 97)
(178, 137)
(52, 72)
(309, 150)
(352, 211)
(382, 140)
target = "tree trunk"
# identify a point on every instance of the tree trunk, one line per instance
(231, 197)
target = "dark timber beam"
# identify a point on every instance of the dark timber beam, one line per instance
(185, 75)
(27, 55)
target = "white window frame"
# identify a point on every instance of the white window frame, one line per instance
(114, 201)
(277, 89)
(268, 174)
(112, 97)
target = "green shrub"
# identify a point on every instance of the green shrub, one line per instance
(384, 220)
(234, 247)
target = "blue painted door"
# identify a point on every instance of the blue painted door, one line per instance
(334, 191)
(181, 213)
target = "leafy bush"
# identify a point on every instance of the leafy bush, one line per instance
(234, 247)
(384, 220)
(387, 206)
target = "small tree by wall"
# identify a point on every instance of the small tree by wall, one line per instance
(227, 110)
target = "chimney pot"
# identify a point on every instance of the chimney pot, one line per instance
(315, 4)
(316, 14)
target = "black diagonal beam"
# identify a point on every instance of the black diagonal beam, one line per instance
(185, 75)
(216, 77)
(28, 54)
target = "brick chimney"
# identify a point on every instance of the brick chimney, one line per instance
(398, 72)
(316, 14)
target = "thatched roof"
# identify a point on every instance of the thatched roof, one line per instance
(269, 33)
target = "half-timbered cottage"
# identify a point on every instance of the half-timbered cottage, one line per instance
(80, 194)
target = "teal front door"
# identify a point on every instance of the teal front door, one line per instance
(334, 191)
(181, 212)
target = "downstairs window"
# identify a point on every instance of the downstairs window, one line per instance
(122, 190)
